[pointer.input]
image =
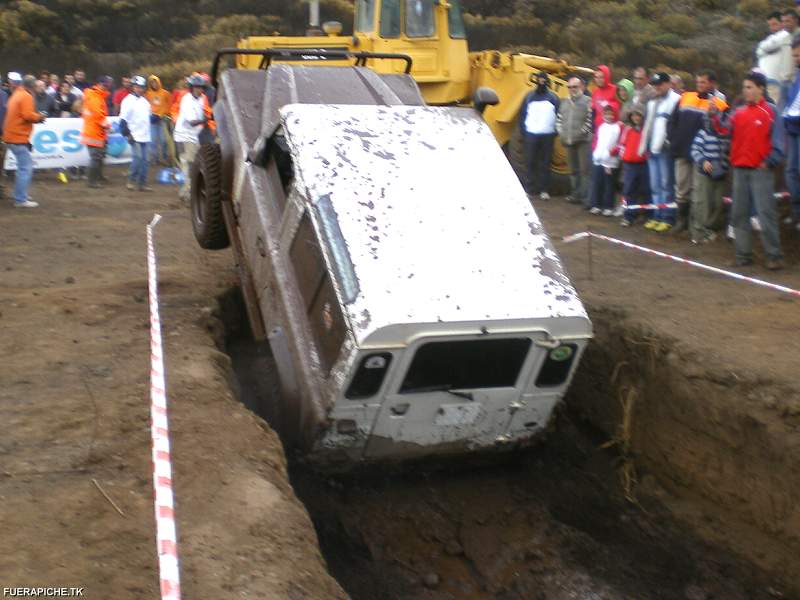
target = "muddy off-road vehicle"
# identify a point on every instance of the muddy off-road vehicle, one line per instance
(411, 298)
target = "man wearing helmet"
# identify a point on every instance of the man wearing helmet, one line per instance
(189, 125)
(135, 113)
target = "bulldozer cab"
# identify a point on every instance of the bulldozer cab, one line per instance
(431, 32)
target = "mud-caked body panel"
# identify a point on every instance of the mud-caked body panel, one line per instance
(370, 223)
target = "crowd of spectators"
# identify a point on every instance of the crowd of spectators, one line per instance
(647, 141)
(162, 127)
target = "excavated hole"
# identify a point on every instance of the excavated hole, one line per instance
(548, 523)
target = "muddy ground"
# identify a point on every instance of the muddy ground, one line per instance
(709, 447)
(74, 407)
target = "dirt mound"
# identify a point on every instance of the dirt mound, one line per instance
(74, 402)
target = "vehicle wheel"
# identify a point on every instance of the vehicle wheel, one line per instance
(208, 221)
(559, 171)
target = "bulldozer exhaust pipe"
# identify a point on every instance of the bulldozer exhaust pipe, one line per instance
(313, 18)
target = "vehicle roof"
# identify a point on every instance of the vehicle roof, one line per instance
(431, 220)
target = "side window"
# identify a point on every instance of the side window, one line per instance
(365, 16)
(455, 20)
(420, 18)
(319, 297)
(390, 19)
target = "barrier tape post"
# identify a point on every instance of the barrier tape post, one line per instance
(589, 251)
(686, 261)
(166, 533)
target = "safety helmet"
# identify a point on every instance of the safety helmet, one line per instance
(196, 80)
(138, 80)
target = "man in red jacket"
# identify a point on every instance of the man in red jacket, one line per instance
(756, 149)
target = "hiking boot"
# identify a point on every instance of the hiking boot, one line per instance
(129, 186)
(662, 227)
(544, 196)
(774, 264)
(26, 204)
(595, 211)
(145, 188)
(607, 212)
(741, 262)
(651, 224)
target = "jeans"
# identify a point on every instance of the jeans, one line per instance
(138, 170)
(793, 172)
(755, 186)
(158, 141)
(603, 187)
(635, 186)
(538, 156)
(662, 175)
(579, 157)
(24, 175)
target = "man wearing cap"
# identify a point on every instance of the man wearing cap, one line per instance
(189, 124)
(574, 126)
(537, 120)
(95, 127)
(654, 142)
(756, 149)
(17, 127)
(135, 114)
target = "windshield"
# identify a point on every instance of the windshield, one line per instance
(466, 365)
(390, 19)
(420, 18)
(455, 20)
(365, 15)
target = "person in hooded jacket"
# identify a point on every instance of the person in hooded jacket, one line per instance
(537, 120)
(159, 99)
(95, 127)
(604, 94)
(626, 98)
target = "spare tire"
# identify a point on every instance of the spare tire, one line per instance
(208, 222)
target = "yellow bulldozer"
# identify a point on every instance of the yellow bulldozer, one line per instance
(432, 33)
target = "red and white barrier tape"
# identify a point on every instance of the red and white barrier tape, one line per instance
(166, 533)
(691, 263)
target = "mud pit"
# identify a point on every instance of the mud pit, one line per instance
(552, 522)
(713, 437)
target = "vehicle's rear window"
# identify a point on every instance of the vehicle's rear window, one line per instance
(466, 364)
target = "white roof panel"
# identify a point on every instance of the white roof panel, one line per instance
(436, 223)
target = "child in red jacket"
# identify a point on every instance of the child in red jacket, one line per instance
(636, 180)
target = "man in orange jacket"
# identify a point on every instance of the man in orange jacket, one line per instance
(95, 127)
(17, 127)
(159, 99)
